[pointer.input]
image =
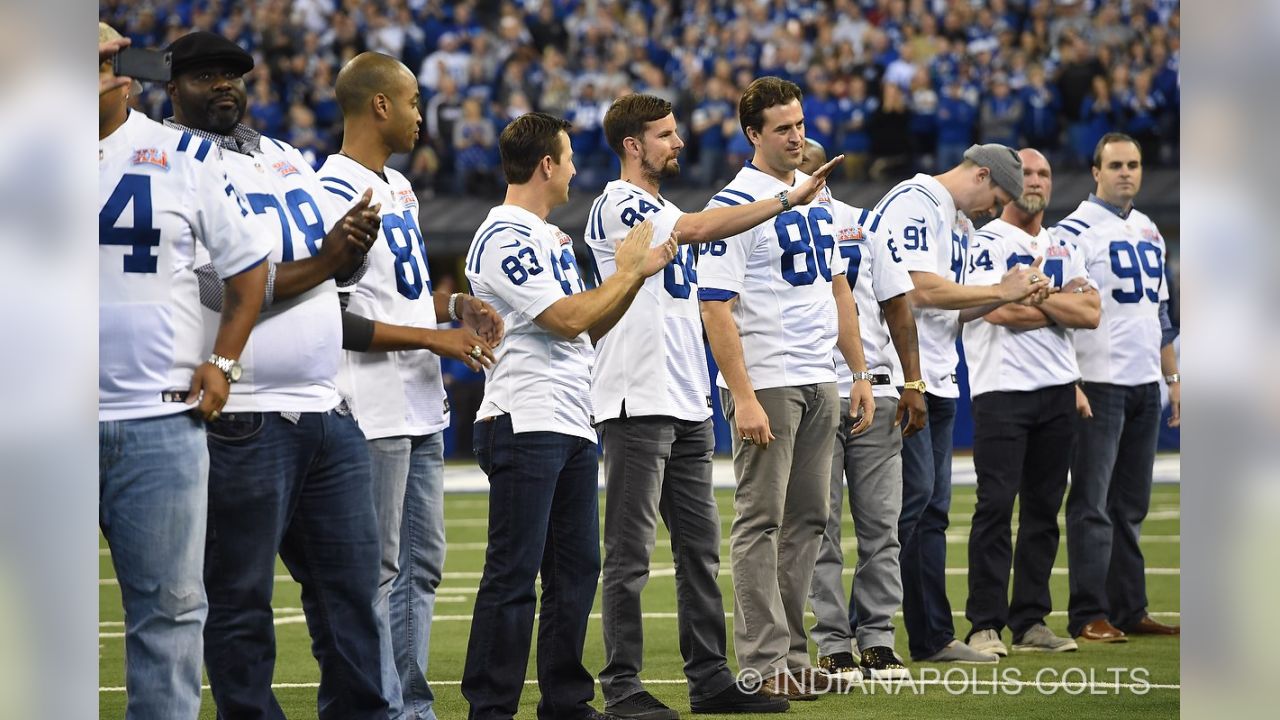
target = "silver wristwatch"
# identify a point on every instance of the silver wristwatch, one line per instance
(786, 201)
(1171, 379)
(230, 368)
(862, 376)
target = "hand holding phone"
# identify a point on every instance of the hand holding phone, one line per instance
(140, 64)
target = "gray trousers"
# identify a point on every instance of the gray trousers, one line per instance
(872, 465)
(781, 506)
(660, 466)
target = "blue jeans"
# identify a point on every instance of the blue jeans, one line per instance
(543, 516)
(303, 489)
(152, 500)
(408, 483)
(922, 529)
(1111, 475)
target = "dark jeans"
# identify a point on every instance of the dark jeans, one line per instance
(922, 529)
(543, 516)
(303, 489)
(1021, 450)
(660, 466)
(1111, 475)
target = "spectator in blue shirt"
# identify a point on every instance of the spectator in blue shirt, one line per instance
(1001, 114)
(820, 109)
(714, 123)
(1040, 108)
(956, 120)
(856, 109)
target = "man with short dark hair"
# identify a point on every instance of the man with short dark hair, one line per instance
(652, 399)
(776, 304)
(534, 436)
(1121, 365)
(289, 468)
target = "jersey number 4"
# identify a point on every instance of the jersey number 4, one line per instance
(142, 236)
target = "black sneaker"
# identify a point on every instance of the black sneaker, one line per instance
(734, 699)
(879, 663)
(641, 706)
(840, 665)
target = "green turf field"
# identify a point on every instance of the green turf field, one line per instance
(1151, 663)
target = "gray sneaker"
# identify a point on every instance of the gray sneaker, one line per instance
(988, 641)
(1041, 639)
(958, 652)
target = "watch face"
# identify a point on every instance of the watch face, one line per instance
(236, 370)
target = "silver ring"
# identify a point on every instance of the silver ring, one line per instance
(476, 352)
(1035, 278)
(748, 441)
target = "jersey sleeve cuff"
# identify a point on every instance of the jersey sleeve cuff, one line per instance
(715, 294)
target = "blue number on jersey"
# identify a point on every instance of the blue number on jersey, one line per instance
(1051, 267)
(407, 225)
(1130, 263)
(630, 216)
(297, 199)
(915, 237)
(852, 253)
(810, 237)
(142, 236)
(983, 260)
(679, 274)
(515, 270)
(893, 249)
(561, 266)
(715, 247)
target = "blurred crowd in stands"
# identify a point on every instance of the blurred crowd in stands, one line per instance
(896, 85)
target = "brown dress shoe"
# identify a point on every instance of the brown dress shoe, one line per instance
(1148, 626)
(1101, 631)
(786, 685)
(817, 681)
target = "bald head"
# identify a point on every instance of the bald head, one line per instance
(369, 74)
(815, 156)
(1037, 182)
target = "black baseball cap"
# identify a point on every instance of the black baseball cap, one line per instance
(202, 48)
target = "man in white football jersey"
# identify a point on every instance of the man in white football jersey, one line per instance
(156, 202)
(776, 304)
(1121, 364)
(871, 463)
(651, 395)
(1022, 375)
(535, 437)
(926, 222)
(391, 377)
(289, 468)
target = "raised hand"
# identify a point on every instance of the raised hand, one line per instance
(805, 192)
(351, 237)
(1022, 281)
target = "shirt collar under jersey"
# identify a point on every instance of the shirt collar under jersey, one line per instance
(1122, 214)
(243, 139)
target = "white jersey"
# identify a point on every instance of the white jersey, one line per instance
(925, 233)
(159, 192)
(781, 272)
(875, 278)
(394, 393)
(1126, 258)
(292, 358)
(1004, 359)
(652, 362)
(522, 265)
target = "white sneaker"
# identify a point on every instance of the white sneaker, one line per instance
(1041, 639)
(957, 652)
(988, 641)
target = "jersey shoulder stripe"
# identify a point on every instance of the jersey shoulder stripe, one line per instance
(282, 146)
(185, 141)
(721, 198)
(336, 191)
(595, 223)
(923, 189)
(1076, 221)
(339, 181)
(488, 233)
(739, 193)
(884, 204)
(203, 151)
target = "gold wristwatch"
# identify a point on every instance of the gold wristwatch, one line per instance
(917, 385)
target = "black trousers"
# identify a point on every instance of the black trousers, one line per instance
(1021, 450)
